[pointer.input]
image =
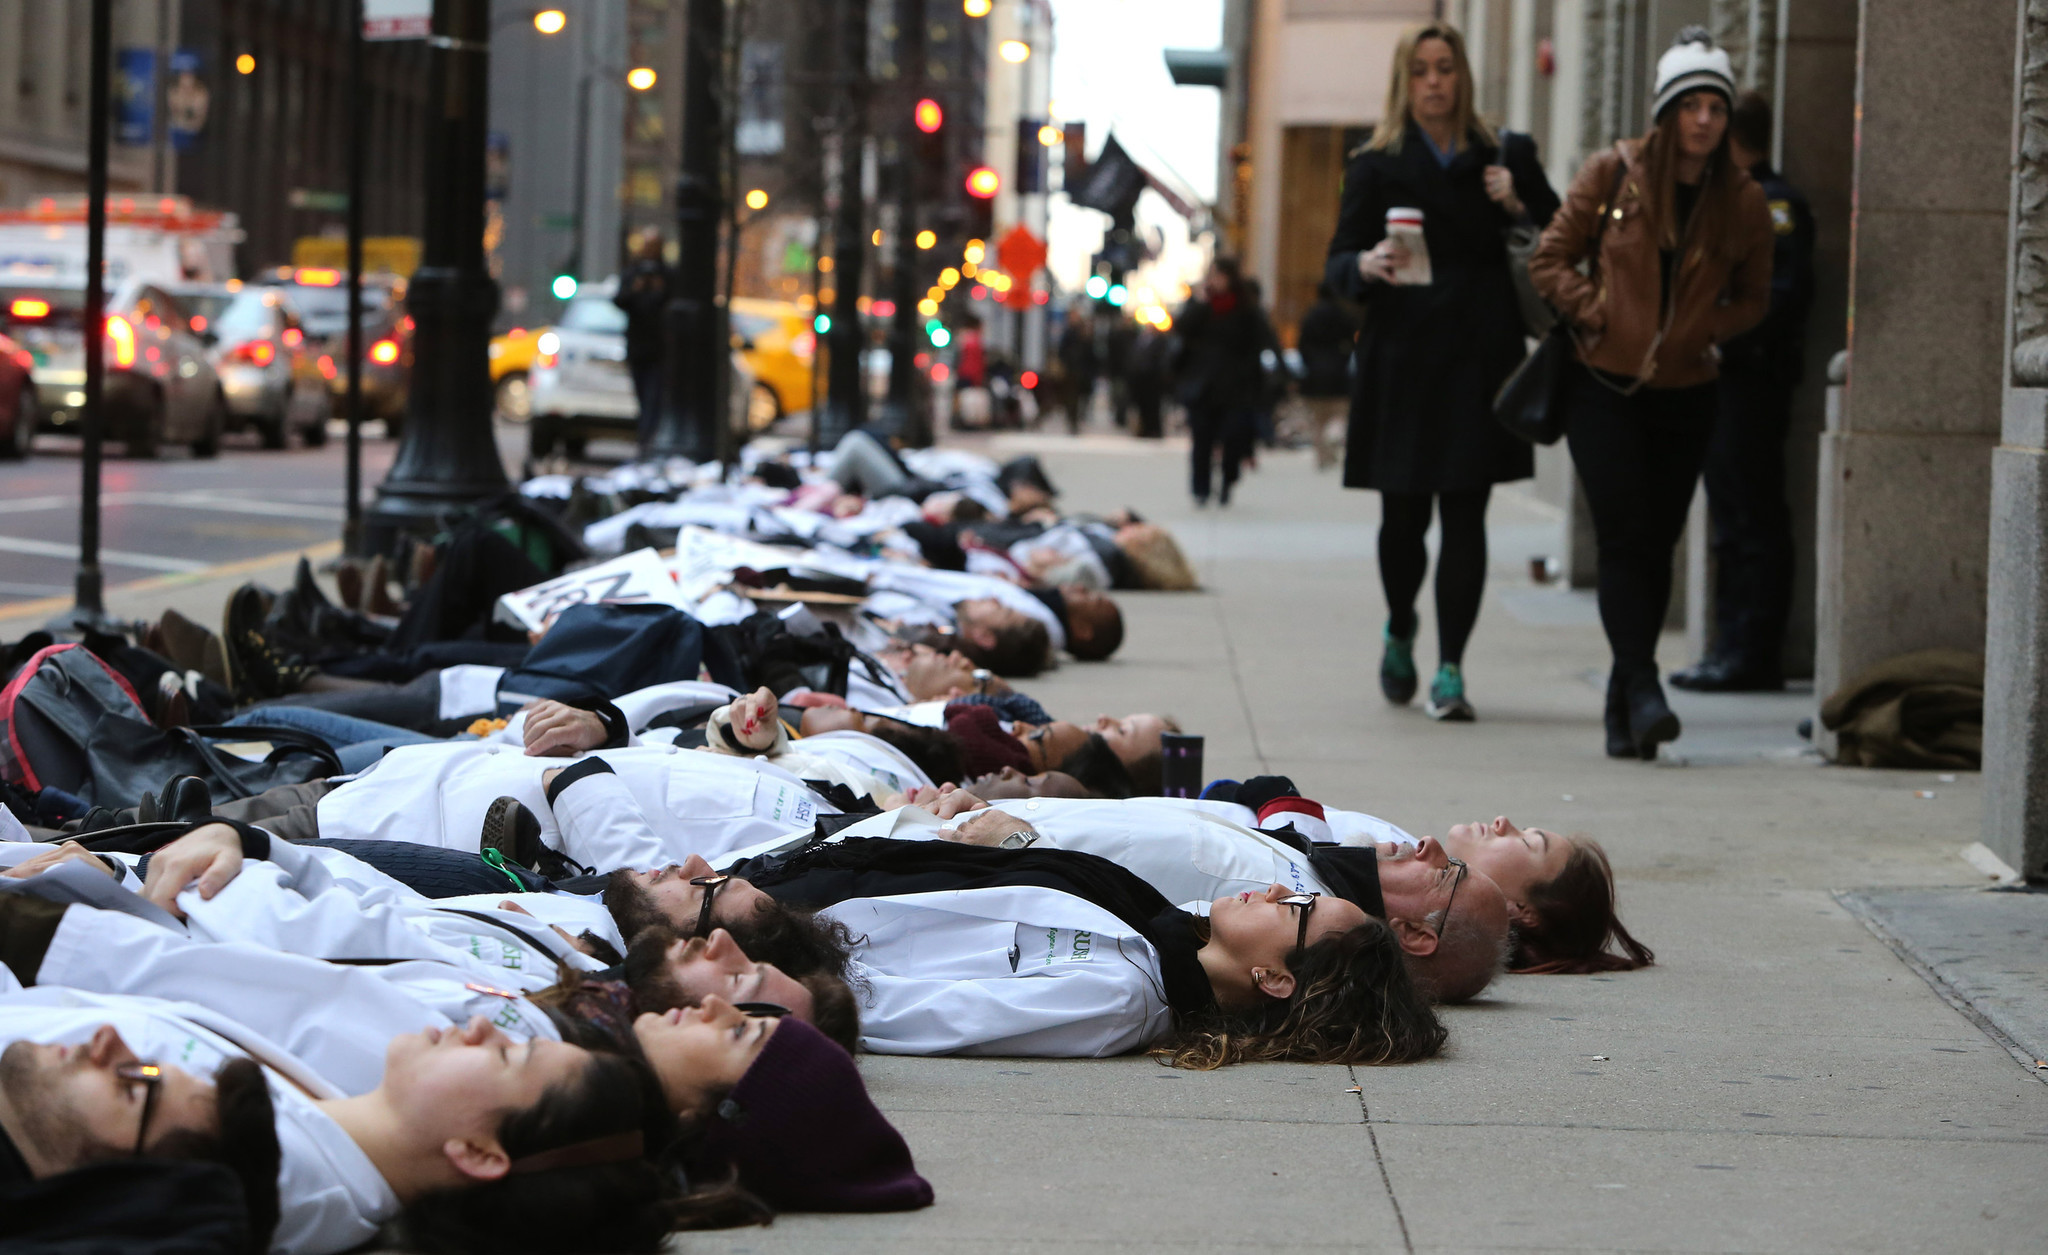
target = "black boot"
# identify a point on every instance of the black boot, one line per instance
(1619, 743)
(1650, 721)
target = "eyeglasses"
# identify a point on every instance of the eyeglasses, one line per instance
(1306, 904)
(761, 1010)
(1463, 871)
(711, 885)
(151, 1078)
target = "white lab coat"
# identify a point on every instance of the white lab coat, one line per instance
(928, 595)
(331, 1197)
(1192, 857)
(338, 1018)
(1012, 971)
(685, 801)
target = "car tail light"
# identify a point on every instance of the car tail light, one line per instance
(327, 366)
(384, 352)
(255, 352)
(293, 337)
(121, 338)
(1029, 379)
(26, 358)
(940, 372)
(198, 323)
(29, 307)
(805, 346)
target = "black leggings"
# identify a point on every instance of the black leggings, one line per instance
(1639, 459)
(1460, 563)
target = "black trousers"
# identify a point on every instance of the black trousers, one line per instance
(1460, 563)
(1217, 428)
(1639, 458)
(1752, 522)
(649, 382)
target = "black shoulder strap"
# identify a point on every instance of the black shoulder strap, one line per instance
(530, 941)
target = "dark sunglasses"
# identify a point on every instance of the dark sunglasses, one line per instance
(711, 885)
(1305, 903)
(151, 1078)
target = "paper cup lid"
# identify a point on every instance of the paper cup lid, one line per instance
(1405, 216)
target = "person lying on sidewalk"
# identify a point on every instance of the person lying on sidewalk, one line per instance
(459, 1123)
(695, 1057)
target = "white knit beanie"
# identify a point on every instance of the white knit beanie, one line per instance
(1692, 63)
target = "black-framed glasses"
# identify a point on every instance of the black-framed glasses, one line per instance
(1305, 903)
(1463, 871)
(761, 1010)
(711, 885)
(151, 1078)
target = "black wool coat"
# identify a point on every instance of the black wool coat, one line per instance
(1430, 359)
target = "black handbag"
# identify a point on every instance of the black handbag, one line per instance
(1527, 403)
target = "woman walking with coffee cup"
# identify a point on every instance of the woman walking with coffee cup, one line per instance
(1684, 264)
(1421, 242)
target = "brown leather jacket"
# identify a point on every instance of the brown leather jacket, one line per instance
(1719, 292)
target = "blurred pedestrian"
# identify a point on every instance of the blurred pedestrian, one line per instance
(1433, 354)
(1117, 343)
(643, 295)
(1752, 522)
(1078, 365)
(1327, 336)
(973, 406)
(1151, 356)
(1684, 266)
(1223, 334)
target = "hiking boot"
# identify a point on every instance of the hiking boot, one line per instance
(260, 666)
(1397, 668)
(1447, 702)
(511, 830)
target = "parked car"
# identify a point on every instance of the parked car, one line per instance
(387, 369)
(160, 387)
(777, 343)
(270, 370)
(17, 400)
(320, 296)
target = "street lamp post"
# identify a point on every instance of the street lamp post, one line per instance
(903, 325)
(846, 386)
(448, 459)
(90, 609)
(695, 351)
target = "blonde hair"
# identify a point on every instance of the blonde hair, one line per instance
(1157, 556)
(1393, 123)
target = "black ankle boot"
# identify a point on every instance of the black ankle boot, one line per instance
(1619, 743)
(1650, 721)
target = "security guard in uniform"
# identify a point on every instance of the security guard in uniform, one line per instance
(1752, 522)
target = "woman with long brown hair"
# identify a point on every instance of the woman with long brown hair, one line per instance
(1435, 349)
(1684, 264)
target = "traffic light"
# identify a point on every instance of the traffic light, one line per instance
(982, 185)
(929, 116)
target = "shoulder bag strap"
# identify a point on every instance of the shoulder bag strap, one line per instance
(1606, 213)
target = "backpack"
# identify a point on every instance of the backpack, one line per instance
(69, 721)
(760, 651)
(606, 650)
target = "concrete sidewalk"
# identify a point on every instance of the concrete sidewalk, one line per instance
(1778, 1082)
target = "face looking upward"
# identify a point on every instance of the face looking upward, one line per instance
(1513, 858)
(68, 1106)
(1012, 783)
(701, 1051)
(1432, 82)
(1257, 931)
(680, 903)
(717, 967)
(1134, 738)
(1048, 745)
(456, 1082)
(1419, 881)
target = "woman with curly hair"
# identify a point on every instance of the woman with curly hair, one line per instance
(966, 947)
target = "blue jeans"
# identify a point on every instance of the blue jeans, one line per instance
(358, 743)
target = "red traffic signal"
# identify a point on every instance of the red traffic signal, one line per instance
(984, 183)
(930, 117)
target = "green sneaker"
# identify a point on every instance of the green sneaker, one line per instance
(1397, 668)
(1447, 696)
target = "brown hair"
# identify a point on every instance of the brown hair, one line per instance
(1353, 1002)
(1574, 921)
(1749, 122)
(1158, 558)
(1394, 119)
(1713, 215)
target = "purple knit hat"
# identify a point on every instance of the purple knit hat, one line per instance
(804, 1136)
